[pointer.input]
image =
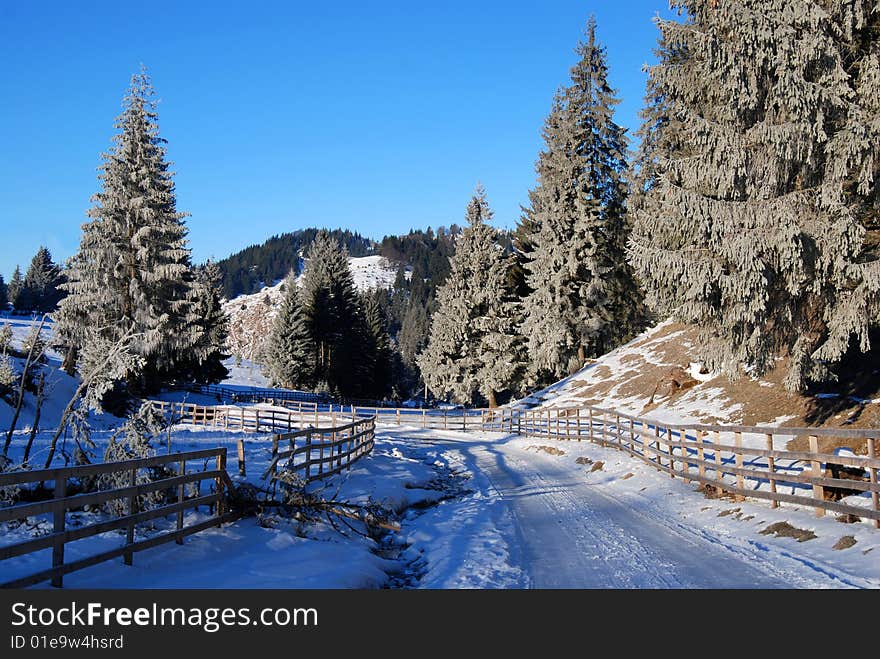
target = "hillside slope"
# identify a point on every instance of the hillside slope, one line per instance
(657, 375)
(251, 316)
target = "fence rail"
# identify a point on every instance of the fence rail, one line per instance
(62, 503)
(250, 419)
(320, 452)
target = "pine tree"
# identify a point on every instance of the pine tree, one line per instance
(4, 295)
(473, 350)
(16, 284)
(40, 286)
(290, 359)
(584, 300)
(379, 346)
(335, 318)
(754, 220)
(133, 263)
(208, 352)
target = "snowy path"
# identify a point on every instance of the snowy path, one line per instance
(575, 534)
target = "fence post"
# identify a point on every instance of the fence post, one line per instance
(740, 479)
(241, 463)
(771, 466)
(701, 456)
(685, 465)
(398, 416)
(59, 518)
(872, 476)
(818, 490)
(549, 432)
(308, 455)
(604, 430)
(180, 497)
(719, 473)
(129, 534)
(221, 501)
(632, 435)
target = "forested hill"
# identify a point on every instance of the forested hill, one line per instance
(250, 269)
(257, 265)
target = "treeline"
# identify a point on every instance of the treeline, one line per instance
(38, 291)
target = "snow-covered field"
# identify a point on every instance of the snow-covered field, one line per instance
(486, 510)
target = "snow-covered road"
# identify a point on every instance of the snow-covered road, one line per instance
(581, 529)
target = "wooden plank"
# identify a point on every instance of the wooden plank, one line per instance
(818, 490)
(701, 456)
(771, 467)
(58, 522)
(738, 440)
(719, 461)
(130, 511)
(41, 475)
(181, 498)
(872, 476)
(242, 466)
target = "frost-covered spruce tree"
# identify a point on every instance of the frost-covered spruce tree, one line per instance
(206, 358)
(754, 222)
(13, 290)
(133, 263)
(40, 286)
(584, 300)
(335, 318)
(473, 351)
(290, 358)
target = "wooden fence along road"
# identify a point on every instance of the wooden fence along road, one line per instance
(742, 461)
(322, 452)
(62, 503)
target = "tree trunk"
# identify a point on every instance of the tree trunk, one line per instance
(493, 401)
(70, 359)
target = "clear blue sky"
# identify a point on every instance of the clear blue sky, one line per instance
(376, 116)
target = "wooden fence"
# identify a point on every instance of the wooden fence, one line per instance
(250, 419)
(743, 461)
(320, 452)
(62, 503)
(717, 456)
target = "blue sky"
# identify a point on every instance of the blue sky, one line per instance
(376, 116)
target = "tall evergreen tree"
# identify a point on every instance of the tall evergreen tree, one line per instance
(133, 264)
(206, 362)
(335, 318)
(290, 358)
(473, 351)
(379, 346)
(4, 295)
(16, 285)
(755, 219)
(40, 286)
(584, 299)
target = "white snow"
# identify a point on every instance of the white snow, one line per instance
(515, 516)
